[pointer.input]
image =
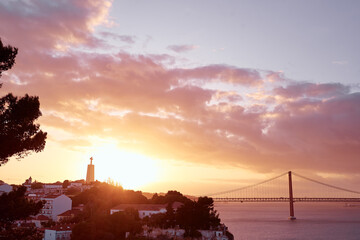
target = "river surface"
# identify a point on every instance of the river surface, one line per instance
(270, 220)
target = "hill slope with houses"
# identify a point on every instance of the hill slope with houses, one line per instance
(76, 210)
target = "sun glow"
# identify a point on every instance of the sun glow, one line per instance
(129, 169)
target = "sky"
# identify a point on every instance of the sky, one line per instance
(198, 96)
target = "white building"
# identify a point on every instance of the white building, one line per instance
(59, 232)
(79, 186)
(55, 205)
(53, 189)
(174, 233)
(145, 210)
(75, 185)
(177, 233)
(39, 220)
(213, 235)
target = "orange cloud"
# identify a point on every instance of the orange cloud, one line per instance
(169, 113)
(49, 25)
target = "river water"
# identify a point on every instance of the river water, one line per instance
(270, 221)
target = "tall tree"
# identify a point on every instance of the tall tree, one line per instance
(196, 215)
(14, 206)
(19, 135)
(110, 227)
(7, 57)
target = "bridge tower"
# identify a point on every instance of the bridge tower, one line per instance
(291, 198)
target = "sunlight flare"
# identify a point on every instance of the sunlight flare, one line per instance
(130, 170)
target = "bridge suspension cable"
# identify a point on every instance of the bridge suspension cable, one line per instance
(325, 184)
(246, 187)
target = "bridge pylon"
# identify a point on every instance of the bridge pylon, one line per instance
(291, 198)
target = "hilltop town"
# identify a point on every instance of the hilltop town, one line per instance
(89, 209)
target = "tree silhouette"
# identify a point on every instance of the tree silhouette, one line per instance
(112, 227)
(14, 206)
(170, 197)
(200, 214)
(7, 57)
(66, 183)
(19, 135)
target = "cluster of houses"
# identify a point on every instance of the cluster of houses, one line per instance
(58, 208)
(146, 210)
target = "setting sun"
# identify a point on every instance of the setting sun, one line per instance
(129, 169)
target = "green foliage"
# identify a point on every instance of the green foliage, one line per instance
(66, 183)
(73, 191)
(96, 223)
(170, 216)
(229, 235)
(112, 226)
(100, 198)
(37, 185)
(84, 231)
(198, 215)
(157, 220)
(49, 223)
(193, 215)
(14, 206)
(22, 233)
(170, 197)
(192, 233)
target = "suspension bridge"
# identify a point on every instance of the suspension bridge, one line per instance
(282, 189)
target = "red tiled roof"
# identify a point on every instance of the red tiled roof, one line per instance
(62, 227)
(42, 217)
(65, 214)
(69, 213)
(53, 195)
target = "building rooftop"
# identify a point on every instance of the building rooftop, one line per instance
(69, 213)
(52, 196)
(42, 217)
(67, 227)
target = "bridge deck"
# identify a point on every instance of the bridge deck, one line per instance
(284, 199)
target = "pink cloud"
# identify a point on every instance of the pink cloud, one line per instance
(123, 38)
(168, 112)
(276, 76)
(229, 96)
(323, 90)
(182, 122)
(220, 73)
(320, 133)
(182, 48)
(51, 25)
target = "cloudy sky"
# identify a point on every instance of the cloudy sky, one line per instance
(189, 95)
